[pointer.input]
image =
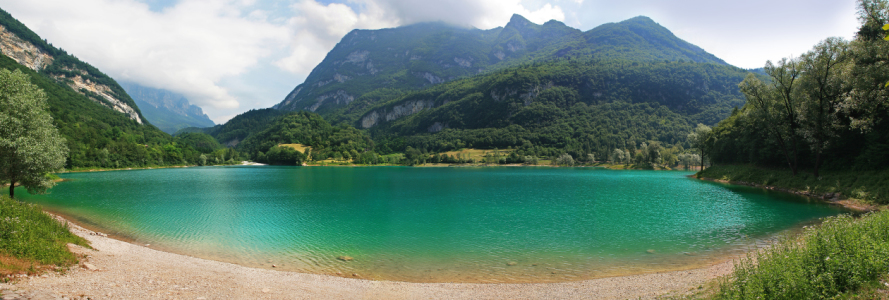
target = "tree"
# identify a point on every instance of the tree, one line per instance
(823, 88)
(776, 105)
(699, 140)
(30, 146)
(565, 160)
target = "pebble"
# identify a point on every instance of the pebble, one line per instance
(265, 290)
(512, 263)
(345, 258)
(650, 251)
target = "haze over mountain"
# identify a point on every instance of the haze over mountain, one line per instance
(167, 110)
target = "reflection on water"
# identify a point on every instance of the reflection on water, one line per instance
(434, 224)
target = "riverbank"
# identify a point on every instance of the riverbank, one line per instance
(116, 269)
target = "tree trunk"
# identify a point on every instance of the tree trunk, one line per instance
(12, 189)
(702, 159)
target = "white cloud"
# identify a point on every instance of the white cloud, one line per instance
(317, 28)
(186, 48)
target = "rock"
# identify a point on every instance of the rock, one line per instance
(512, 263)
(44, 276)
(650, 251)
(265, 290)
(90, 267)
(345, 258)
(274, 266)
(354, 274)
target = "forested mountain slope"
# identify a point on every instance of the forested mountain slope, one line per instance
(591, 105)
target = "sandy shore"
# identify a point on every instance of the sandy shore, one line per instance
(120, 270)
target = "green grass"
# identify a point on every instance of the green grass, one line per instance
(30, 237)
(872, 186)
(843, 258)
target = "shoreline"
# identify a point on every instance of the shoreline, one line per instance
(119, 269)
(829, 198)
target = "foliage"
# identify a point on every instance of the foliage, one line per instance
(842, 254)
(826, 110)
(30, 146)
(702, 139)
(309, 129)
(201, 142)
(241, 126)
(26, 232)
(565, 160)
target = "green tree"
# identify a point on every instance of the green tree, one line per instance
(30, 146)
(565, 160)
(823, 87)
(699, 140)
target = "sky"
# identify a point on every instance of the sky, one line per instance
(230, 56)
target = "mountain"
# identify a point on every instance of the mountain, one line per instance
(167, 110)
(101, 123)
(421, 55)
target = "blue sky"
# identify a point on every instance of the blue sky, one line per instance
(229, 56)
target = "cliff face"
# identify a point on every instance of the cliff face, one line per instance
(23, 52)
(35, 58)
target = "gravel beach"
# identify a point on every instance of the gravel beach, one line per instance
(120, 270)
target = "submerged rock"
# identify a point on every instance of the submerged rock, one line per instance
(512, 263)
(345, 258)
(650, 251)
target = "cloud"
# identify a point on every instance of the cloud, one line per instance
(185, 48)
(316, 28)
(480, 14)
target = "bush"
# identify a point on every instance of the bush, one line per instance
(840, 255)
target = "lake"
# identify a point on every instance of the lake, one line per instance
(450, 224)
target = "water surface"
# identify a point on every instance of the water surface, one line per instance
(433, 224)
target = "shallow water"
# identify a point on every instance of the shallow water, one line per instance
(510, 224)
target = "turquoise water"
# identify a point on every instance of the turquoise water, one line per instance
(510, 224)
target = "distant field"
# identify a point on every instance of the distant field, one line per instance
(478, 154)
(299, 147)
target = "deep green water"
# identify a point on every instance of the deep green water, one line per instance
(505, 224)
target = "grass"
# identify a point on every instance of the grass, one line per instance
(299, 147)
(843, 258)
(29, 239)
(872, 186)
